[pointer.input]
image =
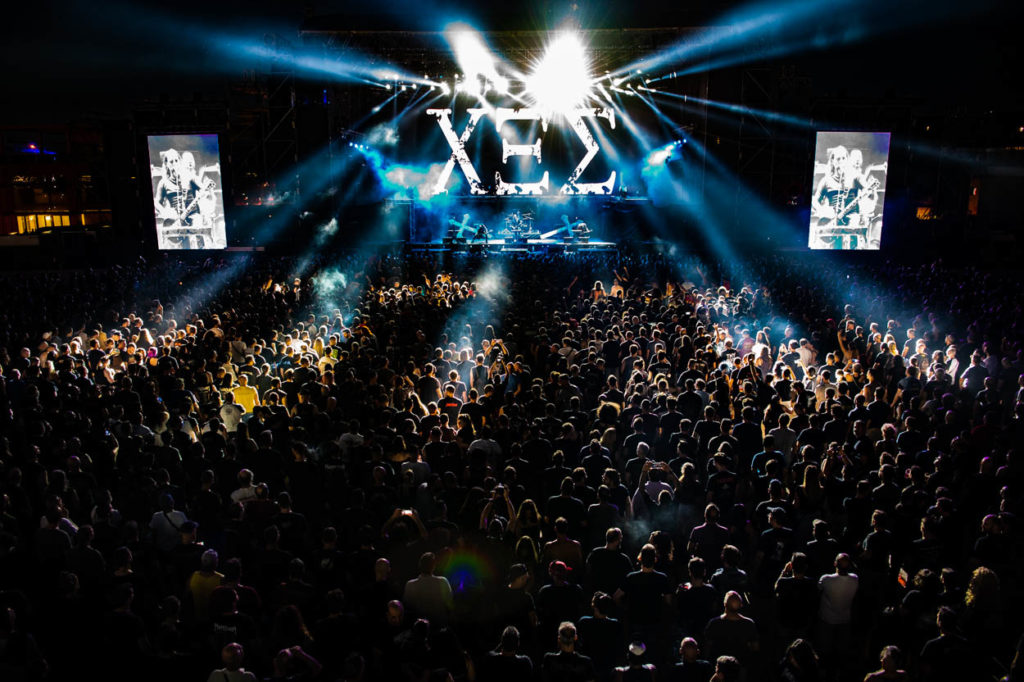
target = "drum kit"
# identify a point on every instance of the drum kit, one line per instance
(519, 227)
(518, 230)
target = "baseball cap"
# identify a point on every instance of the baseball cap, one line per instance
(558, 567)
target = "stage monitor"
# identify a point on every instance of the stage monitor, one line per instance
(188, 198)
(849, 190)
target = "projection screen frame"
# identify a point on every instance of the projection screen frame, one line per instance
(193, 219)
(848, 190)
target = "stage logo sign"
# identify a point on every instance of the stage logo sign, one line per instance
(576, 119)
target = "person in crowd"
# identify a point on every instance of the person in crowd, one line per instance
(890, 668)
(429, 595)
(731, 633)
(232, 655)
(835, 613)
(691, 667)
(506, 664)
(566, 663)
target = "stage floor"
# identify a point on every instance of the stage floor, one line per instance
(510, 246)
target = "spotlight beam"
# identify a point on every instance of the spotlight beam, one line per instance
(776, 116)
(663, 118)
(630, 124)
(341, 66)
(417, 103)
(776, 28)
(374, 111)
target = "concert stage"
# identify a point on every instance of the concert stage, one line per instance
(535, 246)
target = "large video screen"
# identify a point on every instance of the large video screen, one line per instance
(188, 196)
(849, 190)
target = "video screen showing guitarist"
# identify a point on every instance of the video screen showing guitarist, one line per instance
(846, 207)
(187, 203)
(184, 197)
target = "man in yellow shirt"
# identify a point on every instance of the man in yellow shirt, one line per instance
(203, 582)
(245, 395)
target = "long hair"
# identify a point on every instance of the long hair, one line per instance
(804, 656)
(609, 438)
(983, 588)
(811, 477)
(530, 506)
(526, 550)
(688, 473)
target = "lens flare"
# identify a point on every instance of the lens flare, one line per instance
(467, 570)
(561, 81)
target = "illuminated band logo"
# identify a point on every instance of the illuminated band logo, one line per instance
(575, 119)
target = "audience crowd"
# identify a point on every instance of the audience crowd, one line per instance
(529, 468)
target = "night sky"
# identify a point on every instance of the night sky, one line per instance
(77, 60)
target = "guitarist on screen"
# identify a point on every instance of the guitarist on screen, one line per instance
(838, 196)
(185, 197)
(168, 191)
(830, 197)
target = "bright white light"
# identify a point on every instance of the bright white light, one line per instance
(476, 60)
(489, 283)
(445, 89)
(472, 55)
(470, 86)
(659, 156)
(561, 82)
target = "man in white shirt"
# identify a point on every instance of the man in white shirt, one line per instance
(806, 352)
(429, 596)
(246, 490)
(230, 413)
(166, 524)
(834, 613)
(823, 386)
(785, 438)
(952, 365)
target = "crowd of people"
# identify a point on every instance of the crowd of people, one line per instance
(582, 467)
